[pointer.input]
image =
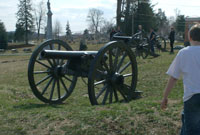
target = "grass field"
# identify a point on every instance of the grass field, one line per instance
(21, 113)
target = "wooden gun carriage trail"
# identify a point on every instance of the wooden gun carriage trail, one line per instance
(112, 71)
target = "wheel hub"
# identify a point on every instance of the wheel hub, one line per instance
(117, 79)
(57, 71)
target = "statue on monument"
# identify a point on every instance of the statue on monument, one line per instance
(49, 21)
(48, 5)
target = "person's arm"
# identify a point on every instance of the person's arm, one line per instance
(153, 37)
(168, 88)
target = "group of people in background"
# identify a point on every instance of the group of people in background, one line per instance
(152, 37)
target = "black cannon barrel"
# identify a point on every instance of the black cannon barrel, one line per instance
(55, 54)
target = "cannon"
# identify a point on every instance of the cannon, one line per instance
(111, 72)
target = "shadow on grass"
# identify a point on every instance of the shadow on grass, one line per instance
(35, 105)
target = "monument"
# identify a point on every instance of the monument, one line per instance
(49, 22)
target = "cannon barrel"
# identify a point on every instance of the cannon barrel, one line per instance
(55, 54)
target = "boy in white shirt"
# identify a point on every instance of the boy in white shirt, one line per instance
(187, 64)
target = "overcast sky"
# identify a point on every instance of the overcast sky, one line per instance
(75, 11)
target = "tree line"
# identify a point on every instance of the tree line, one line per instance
(129, 14)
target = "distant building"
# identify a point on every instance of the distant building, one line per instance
(189, 22)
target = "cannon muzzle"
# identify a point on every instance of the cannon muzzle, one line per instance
(55, 54)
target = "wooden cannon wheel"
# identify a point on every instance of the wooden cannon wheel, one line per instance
(46, 82)
(113, 74)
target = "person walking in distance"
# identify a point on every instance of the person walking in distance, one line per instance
(172, 38)
(152, 40)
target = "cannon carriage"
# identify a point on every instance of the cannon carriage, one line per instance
(54, 68)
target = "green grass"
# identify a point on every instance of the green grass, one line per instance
(21, 113)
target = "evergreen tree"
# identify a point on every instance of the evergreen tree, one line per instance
(11, 36)
(162, 24)
(24, 17)
(180, 23)
(3, 36)
(136, 13)
(68, 31)
(19, 33)
(145, 16)
(161, 19)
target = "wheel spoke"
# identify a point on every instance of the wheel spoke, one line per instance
(52, 89)
(100, 82)
(57, 61)
(58, 88)
(124, 67)
(45, 89)
(111, 95)
(126, 89)
(102, 90)
(63, 84)
(50, 46)
(105, 97)
(127, 75)
(41, 72)
(106, 66)
(59, 47)
(116, 58)
(54, 62)
(68, 79)
(123, 94)
(50, 62)
(43, 64)
(61, 62)
(110, 60)
(115, 94)
(44, 79)
(121, 61)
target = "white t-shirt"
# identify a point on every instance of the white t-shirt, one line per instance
(187, 63)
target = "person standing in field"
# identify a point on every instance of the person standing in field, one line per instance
(172, 38)
(141, 31)
(112, 33)
(187, 64)
(152, 40)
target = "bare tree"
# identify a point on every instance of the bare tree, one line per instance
(57, 29)
(40, 17)
(107, 27)
(95, 19)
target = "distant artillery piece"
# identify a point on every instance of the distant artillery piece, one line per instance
(27, 50)
(160, 44)
(14, 50)
(112, 75)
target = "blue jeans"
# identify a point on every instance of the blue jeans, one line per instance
(191, 116)
(152, 46)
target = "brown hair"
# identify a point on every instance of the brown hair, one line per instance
(195, 32)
